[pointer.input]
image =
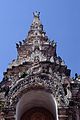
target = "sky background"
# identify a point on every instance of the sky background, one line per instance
(61, 20)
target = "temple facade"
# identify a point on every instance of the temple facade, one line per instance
(37, 85)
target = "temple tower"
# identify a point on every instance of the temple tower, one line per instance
(37, 85)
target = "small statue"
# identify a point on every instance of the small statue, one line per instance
(20, 43)
(36, 14)
(23, 41)
(17, 45)
(76, 76)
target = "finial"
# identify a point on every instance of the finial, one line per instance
(36, 14)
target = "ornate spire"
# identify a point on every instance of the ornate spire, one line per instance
(36, 28)
(36, 24)
(37, 46)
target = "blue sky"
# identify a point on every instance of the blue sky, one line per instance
(61, 20)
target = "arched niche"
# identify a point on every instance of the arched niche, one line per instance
(36, 99)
